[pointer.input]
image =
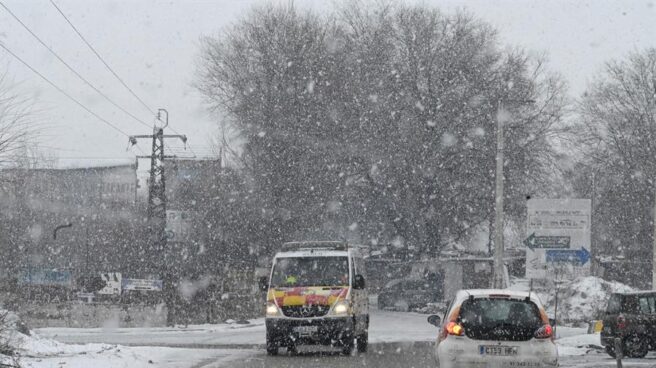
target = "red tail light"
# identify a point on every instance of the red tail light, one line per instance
(544, 332)
(449, 328)
(621, 322)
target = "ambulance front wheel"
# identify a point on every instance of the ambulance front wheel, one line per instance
(271, 346)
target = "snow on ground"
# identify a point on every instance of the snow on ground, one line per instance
(133, 357)
(39, 352)
(35, 351)
(581, 344)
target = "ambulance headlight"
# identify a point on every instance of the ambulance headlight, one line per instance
(272, 310)
(341, 308)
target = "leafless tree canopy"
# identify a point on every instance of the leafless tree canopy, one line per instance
(381, 121)
(18, 131)
(616, 131)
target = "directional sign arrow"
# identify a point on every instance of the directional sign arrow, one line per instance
(552, 242)
(581, 256)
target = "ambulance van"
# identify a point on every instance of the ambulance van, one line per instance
(316, 294)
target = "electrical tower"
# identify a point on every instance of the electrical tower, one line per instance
(157, 191)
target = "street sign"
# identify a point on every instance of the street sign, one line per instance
(142, 284)
(534, 241)
(581, 256)
(46, 277)
(558, 241)
(113, 281)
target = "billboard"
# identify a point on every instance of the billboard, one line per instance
(558, 238)
(142, 284)
(46, 277)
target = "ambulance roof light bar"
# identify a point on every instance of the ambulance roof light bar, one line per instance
(314, 245)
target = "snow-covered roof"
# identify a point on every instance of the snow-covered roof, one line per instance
(80, 164)
(93, 163)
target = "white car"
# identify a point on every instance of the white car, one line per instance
(495, 328)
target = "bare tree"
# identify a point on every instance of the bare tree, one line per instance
(8, 355)
(619, 114)
(17, 128)
(618, 128)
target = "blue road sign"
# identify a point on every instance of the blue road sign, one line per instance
(46, 277)
(581, 256)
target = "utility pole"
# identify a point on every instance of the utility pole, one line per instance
(502, 116)
(653, 261)
(594, 252)
(498, 207)
(157, 191)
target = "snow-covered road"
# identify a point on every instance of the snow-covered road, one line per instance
(196, 346)
(385, 326)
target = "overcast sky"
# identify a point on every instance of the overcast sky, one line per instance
(153, 46)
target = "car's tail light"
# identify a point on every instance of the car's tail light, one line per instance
(448, 327)
(621, 322)
(454, 328)
(544, 332)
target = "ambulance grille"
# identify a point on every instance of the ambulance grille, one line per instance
(305, 311)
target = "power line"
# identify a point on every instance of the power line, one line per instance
(101, 58)
(62, 91)
(71, 68)
(83, 158)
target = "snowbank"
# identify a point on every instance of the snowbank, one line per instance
(585, 298)
(579, 301)
(35, 351)
(582, 344)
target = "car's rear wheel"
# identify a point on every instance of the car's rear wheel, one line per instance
(635, 347)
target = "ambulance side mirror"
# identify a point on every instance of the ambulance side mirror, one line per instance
(358, 282)
(263, 283)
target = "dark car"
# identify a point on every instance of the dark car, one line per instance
(408, 294)
(631, 317)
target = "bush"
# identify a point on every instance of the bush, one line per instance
(9, 323)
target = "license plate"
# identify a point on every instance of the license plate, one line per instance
(497, 350)
(306, 330)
